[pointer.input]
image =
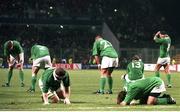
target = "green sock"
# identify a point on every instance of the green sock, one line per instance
(102, 84)
(21, 75)
(161, 101)
(33, 82)
(157, 74)
(168, 78)
(9, 76)
(110, 83)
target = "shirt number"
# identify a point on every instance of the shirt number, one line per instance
(136, 65)
(106, 44)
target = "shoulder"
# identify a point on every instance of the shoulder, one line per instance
(16, 42)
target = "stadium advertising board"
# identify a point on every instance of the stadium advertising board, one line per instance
(150, 67)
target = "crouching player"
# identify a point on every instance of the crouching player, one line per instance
(55, 85)
(147, 91)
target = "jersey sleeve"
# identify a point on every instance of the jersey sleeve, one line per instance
(6, 52)
(32, 52)
(142, 67)
(20, 49)
(95, 49)
(131, 94)
(160, 40)
(66, 80)
(128, 68)
(45, 87)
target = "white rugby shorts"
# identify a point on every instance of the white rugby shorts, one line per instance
(14, 60)
(159, 89)
(46, 61)
(163, 61)
(109, 62)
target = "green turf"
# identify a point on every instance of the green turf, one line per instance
(83, 83)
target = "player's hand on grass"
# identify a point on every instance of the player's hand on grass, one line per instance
(67, 101)
(46, 103)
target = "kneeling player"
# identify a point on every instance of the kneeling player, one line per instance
(147, 91)
(55, 85)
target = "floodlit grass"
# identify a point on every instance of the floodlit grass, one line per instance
(83, 83)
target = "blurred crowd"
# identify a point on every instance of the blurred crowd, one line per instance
(133, 23)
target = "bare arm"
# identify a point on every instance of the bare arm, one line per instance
(45, 98)
(67, 95)
(97, 61)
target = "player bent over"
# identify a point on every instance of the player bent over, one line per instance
(55, 85)
(147, 91)
(104, 49)
(15, 55)
(41, 59)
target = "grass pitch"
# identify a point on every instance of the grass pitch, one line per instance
(83, 84)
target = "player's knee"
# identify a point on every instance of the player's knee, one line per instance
(104, 71)
(151, 100)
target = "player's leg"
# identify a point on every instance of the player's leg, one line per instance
(10, 71)
(109, 80)
(21, 75)
(152, 98)
(157, 68)
(165, 99)
(35, 69)
(159, 64)
(168, 75)
(102, 81)
(103, 72)
(20, 63)
(155, 98)
(112, 63)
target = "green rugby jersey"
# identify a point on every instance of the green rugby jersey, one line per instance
(141, 88)
(17, 49)
(165, 44)
(103, 47)
(135, 70)
(50, 83)
(38, 51)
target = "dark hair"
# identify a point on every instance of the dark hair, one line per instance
(121, 96)
(9, 44)
(135, 57)
(60, 72)
(163, 32)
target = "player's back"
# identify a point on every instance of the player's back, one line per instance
(135, 70)
(145, 85)
(105, 48)
(39, 51)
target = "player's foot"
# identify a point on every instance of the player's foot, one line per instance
(109, 92)
(31, 90)
(171, 100)
(22, 84)
(98, 92)
(169, 86)
(6, 85)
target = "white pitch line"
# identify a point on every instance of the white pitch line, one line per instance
(104, 108)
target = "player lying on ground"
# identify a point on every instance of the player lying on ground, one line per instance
(147, 91)
(55, 83)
